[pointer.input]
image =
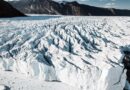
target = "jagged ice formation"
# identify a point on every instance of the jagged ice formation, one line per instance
(84, 52)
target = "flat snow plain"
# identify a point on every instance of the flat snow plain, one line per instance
(56, 52)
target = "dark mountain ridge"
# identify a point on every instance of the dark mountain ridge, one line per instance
(6, 10)
(65, 8)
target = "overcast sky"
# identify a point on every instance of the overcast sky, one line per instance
(122, 4)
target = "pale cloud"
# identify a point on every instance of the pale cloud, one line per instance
(110, 5)
(113, 0)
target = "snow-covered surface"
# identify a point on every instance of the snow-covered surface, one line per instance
(17, 81)
(2, 87)
(83, 52)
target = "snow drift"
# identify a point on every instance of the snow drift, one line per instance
(84, 52)
(17, 81)
(3, 87)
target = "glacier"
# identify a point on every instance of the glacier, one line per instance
(83, 52)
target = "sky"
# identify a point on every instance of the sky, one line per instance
(120, 4)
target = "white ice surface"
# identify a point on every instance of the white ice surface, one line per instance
(17, 81)
(2, 87)
(83, 52)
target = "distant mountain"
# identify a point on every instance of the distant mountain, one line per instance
(65, 8)
(37, 6)
(6, 10)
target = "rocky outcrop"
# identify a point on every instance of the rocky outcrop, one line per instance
(65, 8)
(6, 10)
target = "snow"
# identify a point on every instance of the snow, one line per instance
(20, 82)
(83, 52)
(3, 87)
